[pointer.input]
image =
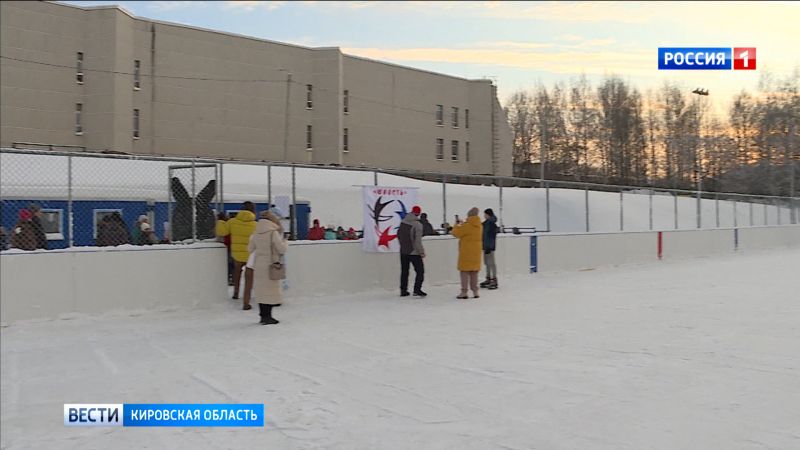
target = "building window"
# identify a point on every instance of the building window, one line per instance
(346, 101)
(454, 151)
(345, 140)
(100, 214)
(466, 151)
(52, 224)
(309, 142)
(466, 118)
(137, 65)
(439, 115)
(136, 124)
(78, 118)
(309, 97)
(79, 68)
(454, 114)
(439, 149)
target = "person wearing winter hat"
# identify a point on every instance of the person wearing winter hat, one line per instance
(23, 236)
(316, 233)
(267, 245)
(330, 233)
(412, 252)
(36, 220)
(136, 230)
(470, 247)
(148, 236)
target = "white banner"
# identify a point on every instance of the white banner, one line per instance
(384, 209)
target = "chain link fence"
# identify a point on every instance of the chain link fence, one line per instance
(60, 199)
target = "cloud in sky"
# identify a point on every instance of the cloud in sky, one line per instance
(167, 6)
(521, 42)
(566, 62)
(248, 5)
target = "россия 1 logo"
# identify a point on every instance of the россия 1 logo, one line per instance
(706, 58)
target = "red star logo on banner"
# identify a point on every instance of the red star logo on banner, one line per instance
(385, 238)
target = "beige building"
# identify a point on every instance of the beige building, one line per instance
(101, 79)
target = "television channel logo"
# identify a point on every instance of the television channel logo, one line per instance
(706, 58)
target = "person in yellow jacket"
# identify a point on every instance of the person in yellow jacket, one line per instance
(470, 248)
(240, 228)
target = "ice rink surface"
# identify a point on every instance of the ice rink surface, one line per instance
(695, 354)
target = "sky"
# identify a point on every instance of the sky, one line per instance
(517, 43)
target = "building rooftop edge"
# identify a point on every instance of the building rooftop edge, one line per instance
(227, 33)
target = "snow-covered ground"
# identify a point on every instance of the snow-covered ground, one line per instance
(696, 354)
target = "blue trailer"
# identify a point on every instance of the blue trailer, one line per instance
(86, 214)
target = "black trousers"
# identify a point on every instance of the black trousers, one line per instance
(419, 268)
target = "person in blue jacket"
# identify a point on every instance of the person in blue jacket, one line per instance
(490, 231)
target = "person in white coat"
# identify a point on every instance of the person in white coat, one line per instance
(268, 246)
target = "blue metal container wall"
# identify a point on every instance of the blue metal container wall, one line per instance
(84, 211)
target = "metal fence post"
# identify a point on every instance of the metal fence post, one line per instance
(650, 207)
(169, 203)
(444, 200)
(194, 209)
(716, 207)
(293, 208)
(586, 202)
(269, 187)
(621, 212)
(70, 222)
(778, 210)
(547, 203)
(375, 178)
(735, 215)
(221, 187)
(766, 219)
(699, 210)
(750, 205)
(675, 208)
(501, 203)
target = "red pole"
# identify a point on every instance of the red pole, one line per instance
(660, 245)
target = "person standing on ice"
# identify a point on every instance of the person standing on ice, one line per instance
(240, 228)
(36, 220)
(411, 252)
(316, 233)
(427, 227)
(489, 245)
(268, 245)
(23, 236)
(470, 246)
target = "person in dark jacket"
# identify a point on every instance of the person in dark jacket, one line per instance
(490, 231)
(111, 231)
(38, 228)
(223, 217)
(411, 252)
(427, 227)
(23, 236)
(4, 240)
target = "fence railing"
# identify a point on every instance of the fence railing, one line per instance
(83, 198)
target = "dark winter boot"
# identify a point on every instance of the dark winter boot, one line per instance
(268, 319)
(493, 284)
(420, 293)
(262, 310)
(485, 284)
